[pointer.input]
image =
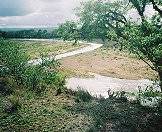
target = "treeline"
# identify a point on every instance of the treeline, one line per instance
(31, 33)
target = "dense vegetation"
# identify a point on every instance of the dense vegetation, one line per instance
(69, 31)
(29, 34)
(14, 68)
(34, 98)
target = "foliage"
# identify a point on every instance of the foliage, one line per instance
(149, 97)
(12, 60)
(118, 116)
(145, 41)
(140, 6)
(119, 95)
(149, 92)
(156, 4)
(82, 96)
(98, 17)
(69, 31)
(14, 64)
(29, 33)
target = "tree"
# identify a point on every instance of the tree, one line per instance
(143, 39)
(97, 18)
(90, 18)
(69, 31)
(140, 6)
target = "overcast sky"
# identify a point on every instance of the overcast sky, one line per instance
(36, 12)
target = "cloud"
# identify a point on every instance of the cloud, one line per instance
(44, 12)
(15, 7)
(36, 12)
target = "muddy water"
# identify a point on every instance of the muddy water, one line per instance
(99, 85)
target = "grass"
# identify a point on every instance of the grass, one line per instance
(109, 63)
(43, 113)
(35, 48)
(48, 112)
(113, 115)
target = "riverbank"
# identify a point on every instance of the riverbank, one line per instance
(107, 62)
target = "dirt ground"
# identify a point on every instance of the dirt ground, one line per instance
(109, 63)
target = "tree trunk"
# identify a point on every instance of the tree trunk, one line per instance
(160, 77)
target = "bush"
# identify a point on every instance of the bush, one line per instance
(14, 64)
(12, 60)
(11, 104)
(149, 97)
(119, 95)
(83, 96)
(149, 92)
(5, 89)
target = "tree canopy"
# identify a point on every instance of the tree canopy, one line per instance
(101, 18)
(97, 18)
(69, 31)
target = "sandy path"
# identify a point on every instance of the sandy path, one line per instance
(99, 85)
(90, 47)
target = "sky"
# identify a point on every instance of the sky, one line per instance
(35, 13)
(40, 13)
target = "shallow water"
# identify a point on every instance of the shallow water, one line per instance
(99, 85)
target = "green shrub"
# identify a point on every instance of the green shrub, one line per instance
(11, 104)
(149, 92)
(150, 97)
(119, 95)
(14, 64)
(13, 60)
(83, 96)
(5, 89)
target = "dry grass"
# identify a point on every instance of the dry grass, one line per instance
(35, 48)
(107, 62)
